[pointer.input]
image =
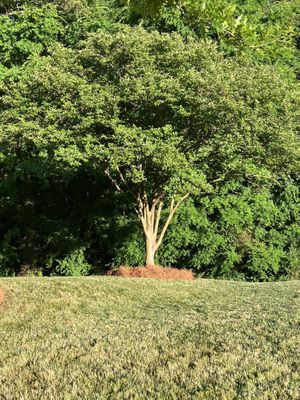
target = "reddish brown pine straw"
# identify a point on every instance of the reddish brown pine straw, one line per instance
(156, 272)
(1, 296)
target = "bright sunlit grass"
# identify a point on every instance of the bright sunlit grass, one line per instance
(116, 338)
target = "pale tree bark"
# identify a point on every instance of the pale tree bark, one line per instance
(150, 217)
(149, 214)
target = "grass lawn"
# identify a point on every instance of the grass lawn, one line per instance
(117, 338)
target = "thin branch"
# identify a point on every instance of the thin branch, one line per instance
(140, 206)
(12, 13)
(107, 173)
(142, 214)
(217, 180)
(180, 201)
(157, 219)
(119, 189)
(169, 219)
(152, 215)
(172, 205)
(121, 175)
(123, 180)
(148, 216)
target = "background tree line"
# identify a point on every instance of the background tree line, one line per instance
(155, 97)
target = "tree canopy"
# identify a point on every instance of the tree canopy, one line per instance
(113, 134)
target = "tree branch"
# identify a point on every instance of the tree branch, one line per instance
(119, 189)
(157, 219)
(169, 219)
(115, 183)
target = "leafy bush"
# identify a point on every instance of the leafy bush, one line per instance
(74, 264)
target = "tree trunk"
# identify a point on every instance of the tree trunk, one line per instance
(150, 218)
(150, 252)
(149, 213)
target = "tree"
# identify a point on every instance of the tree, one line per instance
(152, 167)
(163, 118)
(186, 119)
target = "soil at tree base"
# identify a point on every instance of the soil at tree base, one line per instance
(156, 272)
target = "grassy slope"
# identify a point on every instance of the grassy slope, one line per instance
(116, 338)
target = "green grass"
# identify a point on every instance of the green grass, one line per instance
(116, 338)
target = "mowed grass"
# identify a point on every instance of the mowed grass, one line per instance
(117, 338)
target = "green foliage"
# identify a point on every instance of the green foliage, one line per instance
(30, 31)
(244, 235)
(262, 30)
(10, 6)
(129, 243)
(74, 264)
(83, 93)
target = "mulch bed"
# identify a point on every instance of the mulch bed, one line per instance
(156, 272)
(1, 296)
